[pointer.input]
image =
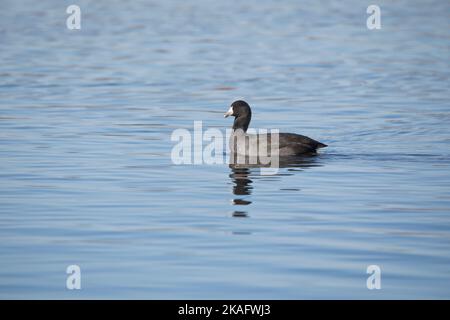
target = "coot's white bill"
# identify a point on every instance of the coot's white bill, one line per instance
(228, 113)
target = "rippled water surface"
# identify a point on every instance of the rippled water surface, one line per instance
(86, 176)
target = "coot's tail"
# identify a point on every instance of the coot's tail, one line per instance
(321, 145)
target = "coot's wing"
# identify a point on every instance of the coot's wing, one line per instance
(291, 139)
(288, 143)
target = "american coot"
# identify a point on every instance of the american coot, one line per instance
(288, 144)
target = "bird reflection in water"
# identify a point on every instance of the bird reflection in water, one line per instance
(242, 171)
(242, 187)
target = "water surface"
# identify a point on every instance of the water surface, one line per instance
(86, 176)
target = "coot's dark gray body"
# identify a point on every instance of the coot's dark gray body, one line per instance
(288, 144)
(294, 144)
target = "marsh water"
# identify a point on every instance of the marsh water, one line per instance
(87, 179)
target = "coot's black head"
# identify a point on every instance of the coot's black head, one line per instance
(242, 113)
(239, 108)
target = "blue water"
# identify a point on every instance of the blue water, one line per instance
(86, 176)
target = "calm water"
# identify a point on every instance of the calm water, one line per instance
(86, 176)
